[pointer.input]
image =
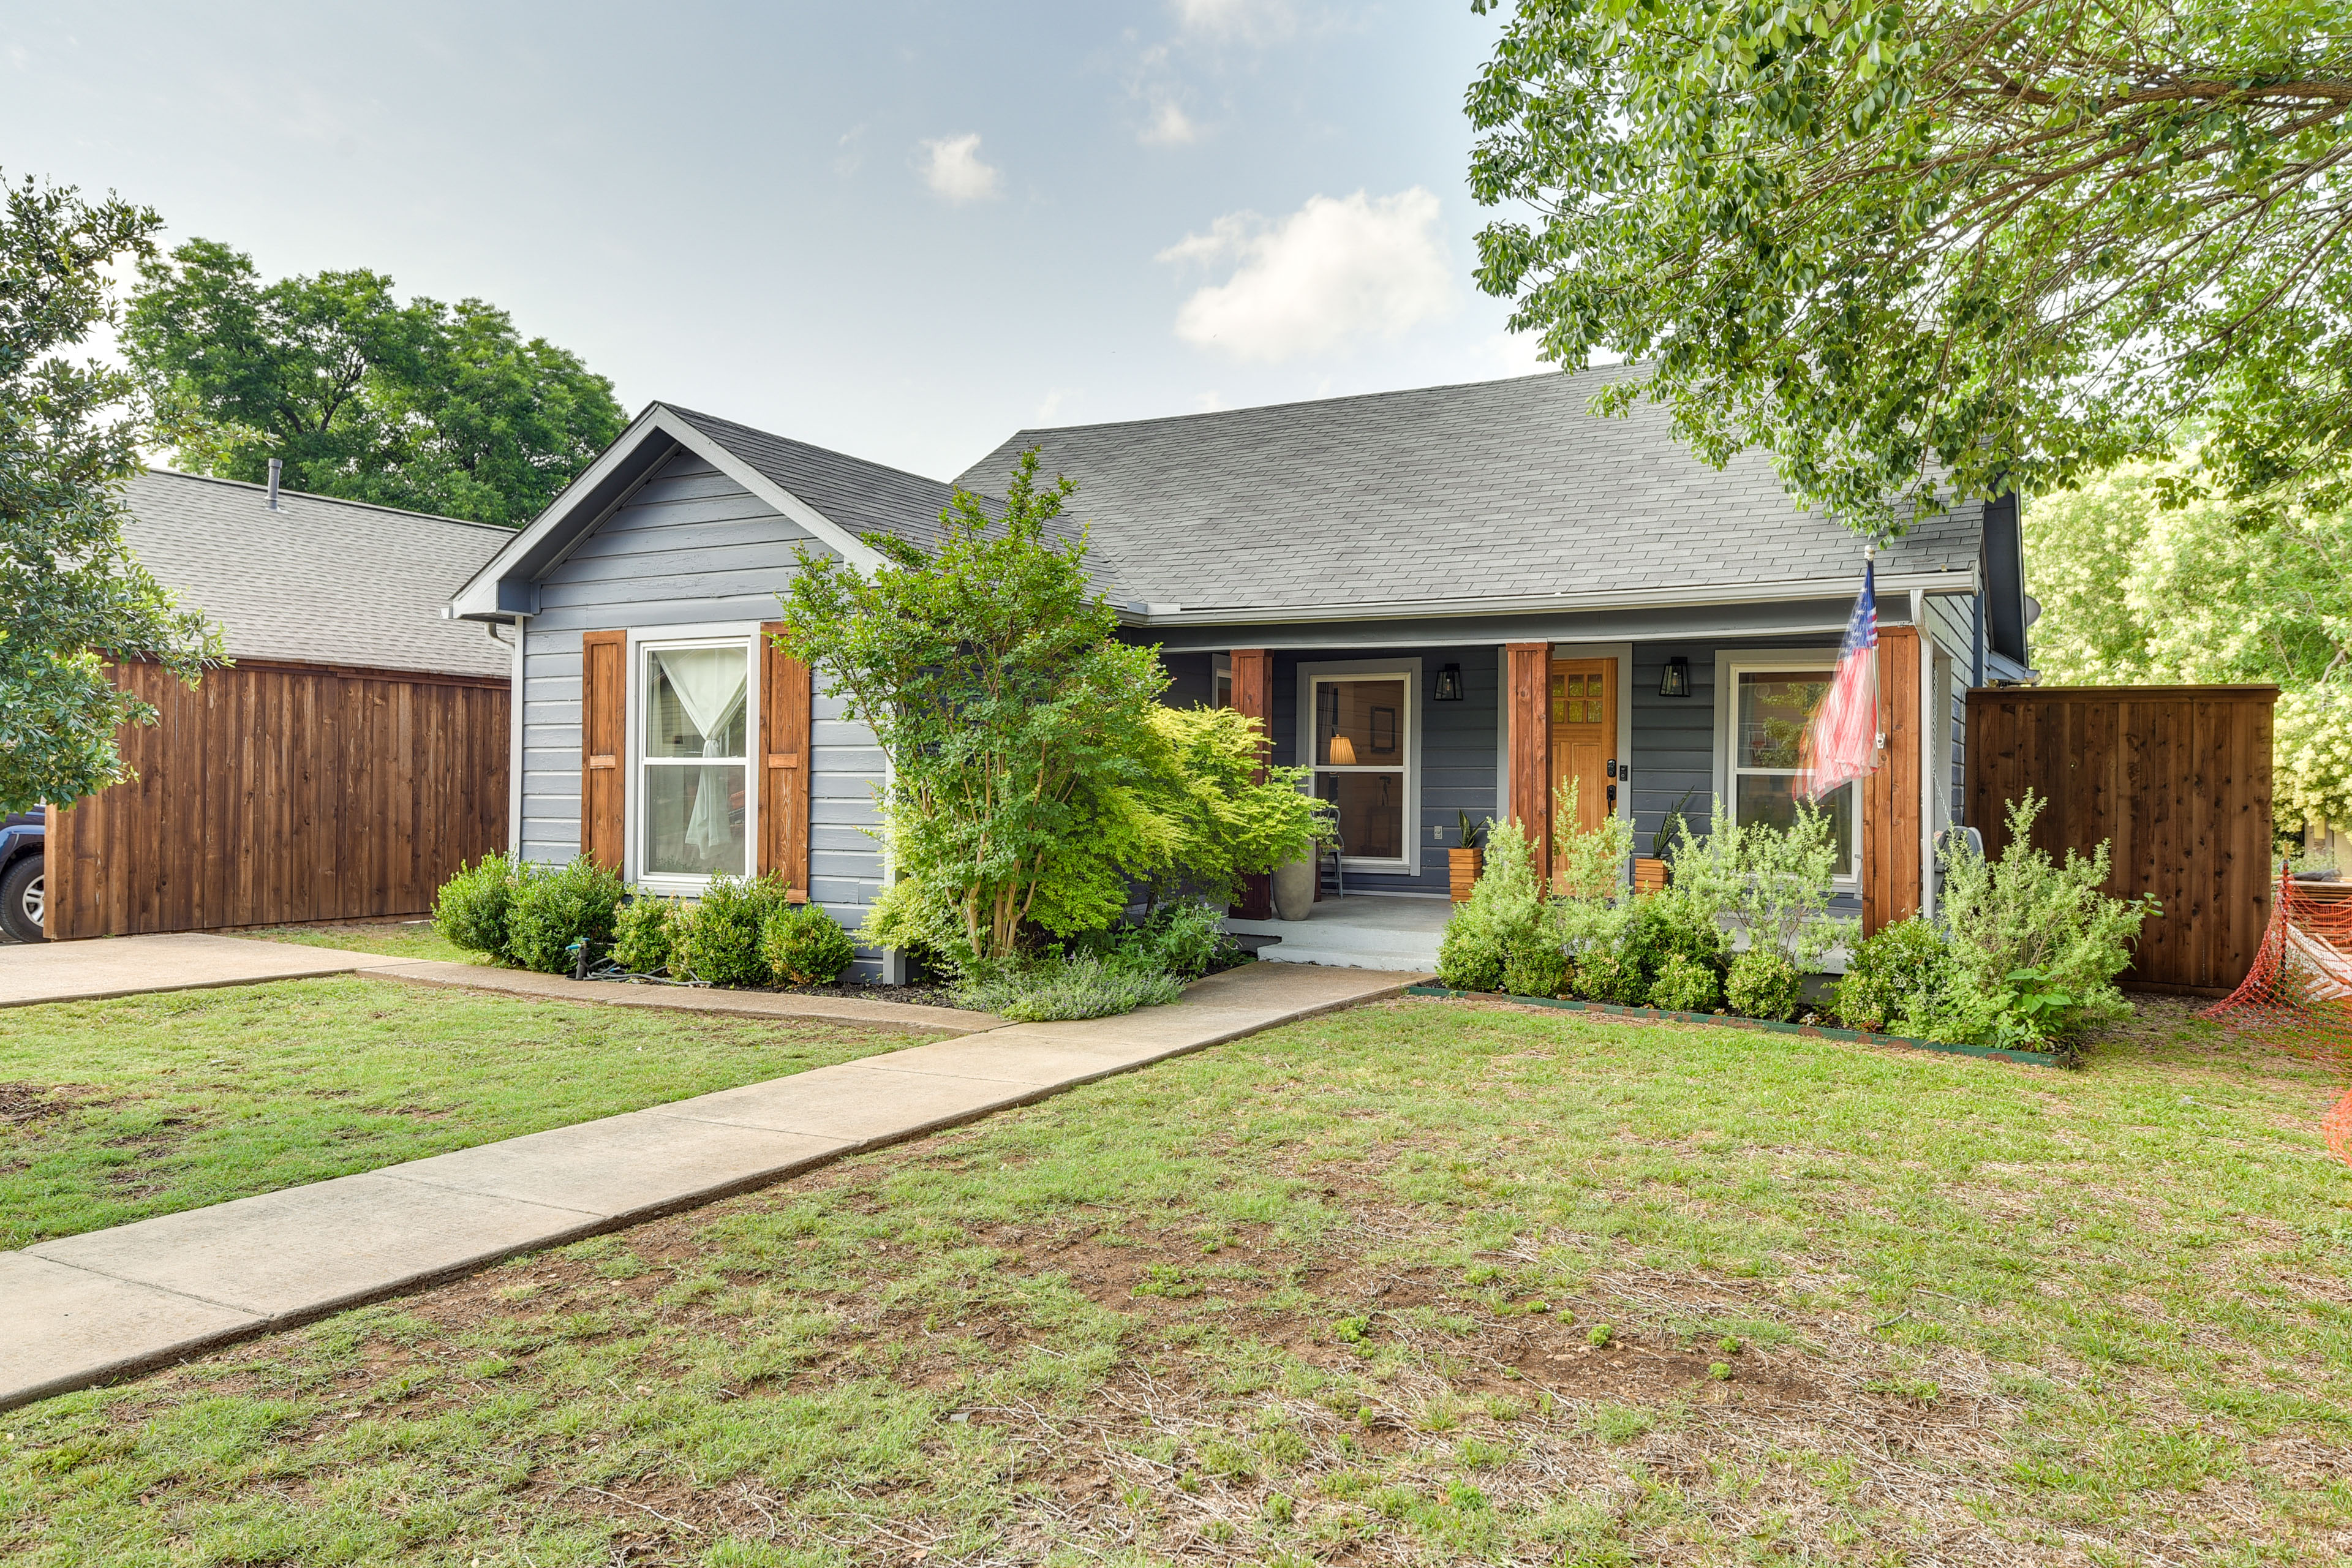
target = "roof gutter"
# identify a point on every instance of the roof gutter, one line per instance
(1141, 613)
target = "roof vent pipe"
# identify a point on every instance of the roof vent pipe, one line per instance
(276, 464)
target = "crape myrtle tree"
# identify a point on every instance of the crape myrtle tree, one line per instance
(1034, 775)
(70, 592)
(1936, 247)
(433, 407)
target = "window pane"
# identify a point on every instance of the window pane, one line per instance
(1358, 723)
(1771, 797)
(1371, 813)
(1773, 712)
(694, 702)
(694, 820)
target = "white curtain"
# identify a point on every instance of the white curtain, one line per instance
(711, 683)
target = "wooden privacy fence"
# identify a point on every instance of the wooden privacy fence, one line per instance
(277, 793)
(2178, 777)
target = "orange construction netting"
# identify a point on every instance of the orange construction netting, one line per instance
(2298, 994)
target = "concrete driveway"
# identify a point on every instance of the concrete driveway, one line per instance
(186, 960)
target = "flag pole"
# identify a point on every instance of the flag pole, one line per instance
(1877, 666)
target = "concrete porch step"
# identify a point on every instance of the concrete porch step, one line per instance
(1364, 931)
(1349, 958)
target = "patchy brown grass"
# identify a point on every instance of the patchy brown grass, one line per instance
(1336, 1295)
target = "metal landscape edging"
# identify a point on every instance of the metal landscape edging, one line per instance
(1811, 1031)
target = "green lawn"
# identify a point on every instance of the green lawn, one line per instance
(113, 1111)
(1420, 1283)
(400, 939)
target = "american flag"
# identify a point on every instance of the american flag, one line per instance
(1842, 742)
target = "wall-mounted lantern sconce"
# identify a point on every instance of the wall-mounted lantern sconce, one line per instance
(1675, 682)
(1449, 684)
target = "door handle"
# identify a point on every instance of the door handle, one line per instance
(1613, 795)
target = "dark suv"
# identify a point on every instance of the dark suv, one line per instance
(22, 888)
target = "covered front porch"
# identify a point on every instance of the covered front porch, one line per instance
(1361, 930)
(1407, 741)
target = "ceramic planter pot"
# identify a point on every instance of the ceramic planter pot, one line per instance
(1462, 867)
(1293, 891)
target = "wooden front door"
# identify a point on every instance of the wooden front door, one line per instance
(1584, 735)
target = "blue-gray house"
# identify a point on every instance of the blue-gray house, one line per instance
(1440, 601)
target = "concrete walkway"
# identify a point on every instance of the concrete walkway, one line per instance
(79, 1310)
(36, 972)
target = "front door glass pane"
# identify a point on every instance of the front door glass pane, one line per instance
(1371, 813)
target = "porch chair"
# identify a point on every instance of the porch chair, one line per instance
(1326, 860)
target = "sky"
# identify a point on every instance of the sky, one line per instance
(899, 230)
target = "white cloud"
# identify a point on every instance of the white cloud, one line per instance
(1169, 126)
(1337, 269)
(952, 167)
(1516, 354)
(1251, 21)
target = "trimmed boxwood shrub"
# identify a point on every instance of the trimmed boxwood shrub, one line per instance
(1536, 969)
(643, 934)
(1763, 985)
(1907, 966)
(470, 908)
(553, 909)
(801, 944)
(1685, 984)
(718, 935)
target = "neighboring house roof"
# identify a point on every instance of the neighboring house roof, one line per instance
(1496, 489)
(318, 581)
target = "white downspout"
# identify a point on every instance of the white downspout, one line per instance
(514, 738)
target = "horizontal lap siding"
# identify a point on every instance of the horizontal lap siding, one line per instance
(688, 547)
(1674, 738)
(277, 794)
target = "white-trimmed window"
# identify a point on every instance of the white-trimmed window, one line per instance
(1768, 700)
(695, 815)
(1356, 725)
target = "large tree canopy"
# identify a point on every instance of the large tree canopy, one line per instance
(433, 407)
(69, 591)
(1945, 246)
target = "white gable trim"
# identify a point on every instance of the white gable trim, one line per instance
(845, 543)
(479, 596)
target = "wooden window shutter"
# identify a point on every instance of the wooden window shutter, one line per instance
(787, 758)
(604, 746)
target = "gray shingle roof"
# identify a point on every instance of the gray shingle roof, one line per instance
(1494, 489)
(862, 497)
(319, 581)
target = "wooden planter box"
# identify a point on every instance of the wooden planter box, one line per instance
(1649, 874)
(1462, 870)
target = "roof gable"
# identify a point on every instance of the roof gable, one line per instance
(837, 499)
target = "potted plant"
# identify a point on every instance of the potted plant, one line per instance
(1297, 886)
(1463, 864)
(1651, 872)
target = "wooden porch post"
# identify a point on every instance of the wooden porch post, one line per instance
(1890, 797)
(1253, 698)
(1530, 697)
